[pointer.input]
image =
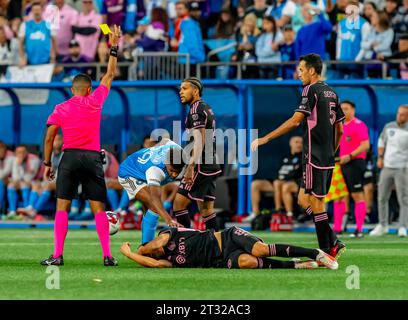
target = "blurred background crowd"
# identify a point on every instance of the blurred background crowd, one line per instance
(267, 32)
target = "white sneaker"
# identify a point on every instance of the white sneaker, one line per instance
(251, 217)
(402, 232)
(379, 230)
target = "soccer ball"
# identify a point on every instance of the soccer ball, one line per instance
(114, 222)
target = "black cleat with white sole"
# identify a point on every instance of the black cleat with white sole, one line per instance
(110, 262)
(51, 261)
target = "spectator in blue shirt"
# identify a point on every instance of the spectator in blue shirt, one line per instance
(191, 42)
(37, 41)
(267, 47)
(350, 32)
(287, 50)
(312, 36)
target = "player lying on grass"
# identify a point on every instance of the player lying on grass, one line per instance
(231, 248)
(143, 173)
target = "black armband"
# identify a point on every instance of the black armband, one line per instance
(47, 164)
(114, 51)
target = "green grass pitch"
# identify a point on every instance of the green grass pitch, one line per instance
(382, 264)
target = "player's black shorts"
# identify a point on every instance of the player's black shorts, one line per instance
(353, 173)
(202, 188)
(235, 242)
(81, 166)
(316, 181)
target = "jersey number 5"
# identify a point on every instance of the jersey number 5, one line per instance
(332, 112)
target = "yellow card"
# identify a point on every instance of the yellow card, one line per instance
(105, 28)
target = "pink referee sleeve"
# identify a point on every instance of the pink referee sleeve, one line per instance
(99, 95)
(54, 118)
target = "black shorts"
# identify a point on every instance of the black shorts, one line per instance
(202, 188)
(369, 177)
(353, 173)
(81, 167)
(316, 181)
(235, 242)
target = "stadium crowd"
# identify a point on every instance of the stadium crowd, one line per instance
(265, 31)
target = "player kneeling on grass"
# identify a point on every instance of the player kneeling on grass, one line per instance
(231, 248)
(143, 173)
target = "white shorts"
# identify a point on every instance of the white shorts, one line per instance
(132, 186)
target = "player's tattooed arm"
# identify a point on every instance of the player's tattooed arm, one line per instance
(155, 204)
(157, 243)
(283, 129)
(143, 260)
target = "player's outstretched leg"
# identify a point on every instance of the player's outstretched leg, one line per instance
(248, 261)
(262, 250)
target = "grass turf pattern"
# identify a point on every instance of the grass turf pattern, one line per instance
(382, 264)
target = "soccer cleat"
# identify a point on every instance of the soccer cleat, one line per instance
(356, 234)
(110, 262)
(51, 261)
(327, 260)
(308, 264)
(338, 249)
(402, 232)
(379, 230)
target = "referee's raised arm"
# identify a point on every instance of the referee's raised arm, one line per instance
(113, 57)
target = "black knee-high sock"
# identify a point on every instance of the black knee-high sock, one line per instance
(323, 230)
(332, 236)
(286, 250)
(211, 222)
(265, 263)
(183, 217)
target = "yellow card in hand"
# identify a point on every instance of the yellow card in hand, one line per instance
(105, 28)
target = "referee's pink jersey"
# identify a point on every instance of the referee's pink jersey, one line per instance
(354, 132)
(80, 119)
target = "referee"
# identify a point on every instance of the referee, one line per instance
(79, 119)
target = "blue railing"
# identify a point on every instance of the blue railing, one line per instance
(243, 89)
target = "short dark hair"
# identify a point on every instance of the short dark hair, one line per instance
(313, 60)
(175, 157)
(197, 83)
(372, 4)
(36, 3)
(351, 103)
(184, 3)
(82, 77)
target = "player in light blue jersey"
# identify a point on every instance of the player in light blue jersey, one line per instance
(143, 173)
